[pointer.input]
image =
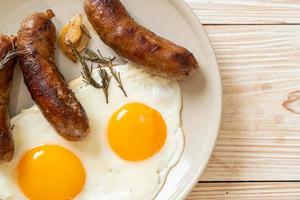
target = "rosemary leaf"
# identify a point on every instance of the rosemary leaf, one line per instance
(86, 71)
(117, 77)
(105, 80)
(8, 57)
(92, 56)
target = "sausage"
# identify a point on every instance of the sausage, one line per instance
(6, 77)
(36, 44)
(118, 30)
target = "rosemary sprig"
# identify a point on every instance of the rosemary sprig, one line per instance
(93, 57)
(9, 55)
(86, 71)
(105, 62)
(88, 78)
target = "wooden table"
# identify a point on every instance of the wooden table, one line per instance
(257, 155)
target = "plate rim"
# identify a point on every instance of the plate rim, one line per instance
(191, 16)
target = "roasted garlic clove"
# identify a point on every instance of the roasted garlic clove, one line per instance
(74, 34)
(74, 31)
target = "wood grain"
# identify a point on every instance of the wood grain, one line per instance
(246, 11)
(246, 191)
(259, 139)
(257, 43)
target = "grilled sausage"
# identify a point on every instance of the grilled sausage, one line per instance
(36, 41)
(6, 77)
(136, 43)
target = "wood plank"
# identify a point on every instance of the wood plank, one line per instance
(246, 11)
(246, 191)
(259, 139)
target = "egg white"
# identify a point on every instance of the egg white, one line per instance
(108, 176)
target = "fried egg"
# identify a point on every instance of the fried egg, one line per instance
(133, 144)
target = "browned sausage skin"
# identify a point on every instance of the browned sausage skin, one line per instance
(136, 43)
(36, 43)
(6, 77)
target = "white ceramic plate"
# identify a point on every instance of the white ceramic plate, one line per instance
(201, 94)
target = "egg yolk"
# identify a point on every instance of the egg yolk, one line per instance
(50, 172)
(136, 132)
